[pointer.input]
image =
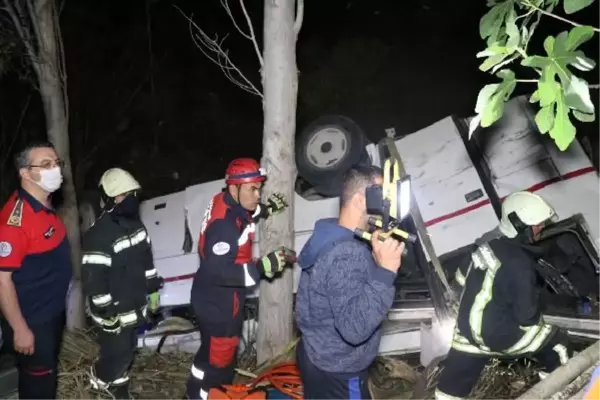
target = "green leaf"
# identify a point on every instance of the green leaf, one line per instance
(535, 97)
(483, 98)
(578, 36)
(514, 36)
(577, 96)
(572, 6)
(545, 118)
(492, 61)
(582, 62)
(495, 53)
(583, 117)
(549, 45)
(548, 88)
(559, 57)
(473, 125)
(535, 61)
(494, 108)
(492, 23)
(563, 131)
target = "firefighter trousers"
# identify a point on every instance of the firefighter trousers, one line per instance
(215, 361)
(116, 355)
(462, 370)
(319, 384)
(37, 372)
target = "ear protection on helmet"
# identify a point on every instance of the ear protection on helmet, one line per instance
(523, 230)
(517, 222)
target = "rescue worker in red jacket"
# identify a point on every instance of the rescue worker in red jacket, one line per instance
(227, 271)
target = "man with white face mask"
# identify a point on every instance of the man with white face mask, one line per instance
(35, 271)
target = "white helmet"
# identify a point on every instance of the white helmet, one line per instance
(116, 181)
(526, 207)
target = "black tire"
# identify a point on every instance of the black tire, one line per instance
(348, 151)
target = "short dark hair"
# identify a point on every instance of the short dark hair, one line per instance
(357, 179)
(22, 157)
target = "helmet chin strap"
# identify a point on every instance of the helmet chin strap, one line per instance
(236, 196)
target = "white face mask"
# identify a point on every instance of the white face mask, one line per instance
(50, 179)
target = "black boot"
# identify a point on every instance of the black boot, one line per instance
(121, 392)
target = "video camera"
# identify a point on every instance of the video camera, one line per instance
(389, 204)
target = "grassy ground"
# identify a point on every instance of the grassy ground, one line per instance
(164, 376)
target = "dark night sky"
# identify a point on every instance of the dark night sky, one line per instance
(160, 109)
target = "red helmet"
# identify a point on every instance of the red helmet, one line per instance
(244, 170)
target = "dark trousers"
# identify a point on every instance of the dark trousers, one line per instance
(319, 384)
(116, 355)
(37, 372)
(214, 363)
(462, 370)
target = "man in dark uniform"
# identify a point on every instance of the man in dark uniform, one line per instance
(499, 313)
(227, 270)
(35, 271)
(120, 281)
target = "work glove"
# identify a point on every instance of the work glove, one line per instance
(154, 284)
(275, 204)
(153, 302)
(111, 325)
(105, 317)
(275, 261)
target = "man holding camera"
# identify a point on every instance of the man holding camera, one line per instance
(346, 290)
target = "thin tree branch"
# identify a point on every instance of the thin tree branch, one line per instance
(549, 14)
(299, 17)
(23, 34)
(225, 5)
(62, 65)
(35, 27)
(19, 124)
(213, 50)
(252, 35)
(596, 86)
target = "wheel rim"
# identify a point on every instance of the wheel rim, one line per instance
(327, 148)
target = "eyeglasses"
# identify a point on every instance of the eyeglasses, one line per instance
(47, 164)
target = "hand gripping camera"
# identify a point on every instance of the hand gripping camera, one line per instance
(388, 204)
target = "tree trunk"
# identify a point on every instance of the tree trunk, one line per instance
(53, 91)
(280, 83)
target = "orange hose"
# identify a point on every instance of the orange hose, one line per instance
(285, 377)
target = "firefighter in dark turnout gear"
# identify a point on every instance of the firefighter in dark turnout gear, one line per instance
(227, 271)
(120, 281)
(499, 313)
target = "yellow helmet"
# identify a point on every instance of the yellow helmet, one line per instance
(524, 208)
(116, 181)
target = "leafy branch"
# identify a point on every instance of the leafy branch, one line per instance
(508, 28)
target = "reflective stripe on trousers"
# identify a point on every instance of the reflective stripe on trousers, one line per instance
(99, 384)
(198, 375)
(439, 395)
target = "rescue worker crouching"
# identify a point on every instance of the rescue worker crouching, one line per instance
(227, 271)
(499, 313)
(120, 281)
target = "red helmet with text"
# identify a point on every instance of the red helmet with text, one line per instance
(244, 170)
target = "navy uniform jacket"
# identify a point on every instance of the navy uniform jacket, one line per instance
(118, 269)
(35, 248)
